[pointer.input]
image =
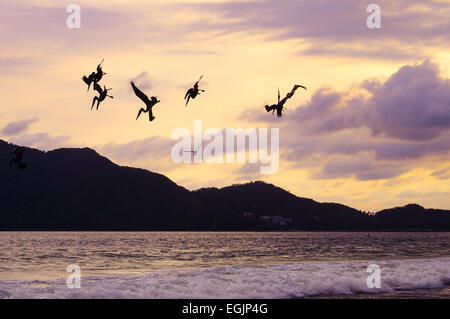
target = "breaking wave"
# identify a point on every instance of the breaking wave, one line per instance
(272, 281)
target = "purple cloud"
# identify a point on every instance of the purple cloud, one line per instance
(326, 27)
(361, 167)
(101, 27)
(413, 105)
(443, 173)
(143, 81)
(16, 128)
(10, 64)
(378, 130)
(248, 172)
(336, 27)
(152, 148)
(42, 141)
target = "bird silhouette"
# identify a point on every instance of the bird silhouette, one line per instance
(194, 152)
(89, 79)
(99, 75)
(193, 92)
(94, 77)
(149, 103)
(102, 94)
(16, 157)
(279, 107)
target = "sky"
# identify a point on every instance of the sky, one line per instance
(372, 131)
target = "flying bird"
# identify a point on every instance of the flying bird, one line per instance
(193, 92)
(89, 79)
(99, 75)
(280, 106)
(149, 103)
(194, 152)
(94, 77)
(102, 94)
(16, 157)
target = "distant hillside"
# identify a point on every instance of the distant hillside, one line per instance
(77, 189)
(412, 217)
(263, 199)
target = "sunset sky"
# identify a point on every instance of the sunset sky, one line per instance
(372, 131)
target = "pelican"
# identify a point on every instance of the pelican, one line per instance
(280, 106)
(194, 152)
(94, 77)
(193, 92)
(102, 94)
(149, 103)
(99, 75)
(16, 157)
(89, 79)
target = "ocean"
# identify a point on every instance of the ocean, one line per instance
(225, 264)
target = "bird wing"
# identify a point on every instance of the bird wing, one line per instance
(196, 83)
(139, 93)
(187, 101)
(278, 95)
(189, 92)
(291, 94)
(86, 80)
(300, 86)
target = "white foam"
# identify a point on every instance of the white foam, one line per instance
(276, 281)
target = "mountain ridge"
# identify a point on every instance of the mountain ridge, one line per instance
(79, 189)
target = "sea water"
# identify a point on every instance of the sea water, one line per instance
(223, 264)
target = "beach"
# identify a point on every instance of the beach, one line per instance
(168, 265)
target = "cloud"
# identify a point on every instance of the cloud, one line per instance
(336, 27)
(375, 130)
(152, 153)
(373, 52)
(415, 195)
(103, 27)
(248, 171)
(16, 128)
(10, 65)
(143, 81)
(190, 52)
(411, 105)
(320, 27)
(42, 141)
(442, 173)
(152, 147)
(361, 166)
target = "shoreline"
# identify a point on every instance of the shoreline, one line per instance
(229, 231)
(422, 293)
